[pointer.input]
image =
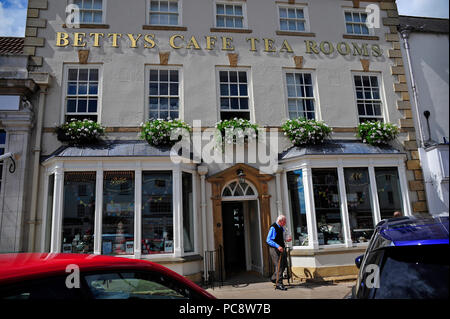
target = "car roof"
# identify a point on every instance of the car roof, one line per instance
(24, 266)
(411, 231)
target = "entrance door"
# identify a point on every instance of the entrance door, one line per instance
(233, 237)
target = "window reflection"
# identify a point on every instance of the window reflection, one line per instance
(118, 213)
(79, 212)
(360, 215)
(326, 200)
(389, 194)
(157, 213)
(188, 213)
(298, 207)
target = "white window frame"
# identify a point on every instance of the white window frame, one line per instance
(352, 10)
(317, 113)
(179, 12)
(249, 91)
(65, 87)
(382, 99)
(104, 2)
(233, 3)
(305, 14)
(180, 88)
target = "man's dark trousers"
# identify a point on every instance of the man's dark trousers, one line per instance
(275, 255)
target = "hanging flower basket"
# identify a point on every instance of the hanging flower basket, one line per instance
(236, 131)
(377, 133)
(302, 131)
(158, 132)
(80, 132)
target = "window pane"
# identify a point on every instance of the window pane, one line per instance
(188, 213)
(164, 103)
(220, 9)
(153, 88)
(229, 22)
(242, 77)
(174, 89)
(238, 10)
(291, 91)
(349, 28)
(348, 17)
(87, 4)
(163, 88)
(284, 25)
(157, 213)
(164, 19)
(93, 75)
(292, 25)
(174, 104)
(300, 14)
(97, 17)
(224, 89)
(223, 76)
(327, 204)
(283, 13)
(118, 213)
(233, 77)
(82, 105)
(72, 88)
(163, 6)
(154, 5)
(97, 4)
(300, 26)
(93, 89)
(82, 88)
(357, 185)
(243, 89)
(79, 212)
(296, 195)
(357, 28)
(238, 23)
(224, 104)
(173, 7)
(154, 75)
(73, 74)
(229, 9)
(92, 108)
(173, 19)
(234, 104)
(243, 104)
(154, 18)
(233, 90)
(164, 75)
(220, 21)
(291, 13)
(389, 195)
(83, 76)
(71, 106)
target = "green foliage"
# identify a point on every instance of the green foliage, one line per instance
(235, 130)
(158, 132)
(77, 132)
(302, 131)
(377, 133)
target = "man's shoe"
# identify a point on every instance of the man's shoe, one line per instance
(281, 287)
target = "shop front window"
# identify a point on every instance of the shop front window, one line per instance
(50, 196)
(79, 211)
(118, 213)
(389, 193)
(326, 200)
(157, 213)
(188, 213)
(359, 205)
(298, 208)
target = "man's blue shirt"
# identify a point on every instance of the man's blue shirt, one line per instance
(271, 236)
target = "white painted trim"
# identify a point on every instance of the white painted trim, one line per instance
(58, 200)
(359, 10)
(180, 14)
(294, 6)
(44, 211)
(231, 2)
(374, 192)
(138, 210)
(344, 207)
(98, 221)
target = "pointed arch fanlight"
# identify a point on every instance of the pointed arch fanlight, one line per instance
(238, 189)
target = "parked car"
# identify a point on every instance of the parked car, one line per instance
(407, 258)
(78, 276)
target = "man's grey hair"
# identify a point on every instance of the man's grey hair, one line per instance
(280, 217)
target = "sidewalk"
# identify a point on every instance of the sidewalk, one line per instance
(264, 289)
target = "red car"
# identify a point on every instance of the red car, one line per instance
(76, 276)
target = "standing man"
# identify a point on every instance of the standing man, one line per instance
(275, 240)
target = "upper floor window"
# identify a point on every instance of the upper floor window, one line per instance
(293, 19)
(91, 11)
(355, 23)
(234, 95)
(300, 95)
(82, 93)
(164, 13)
(164, 93)
(368, 98)
(230, 15)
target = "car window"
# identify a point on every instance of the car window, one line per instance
(46, 288)
(135, 285)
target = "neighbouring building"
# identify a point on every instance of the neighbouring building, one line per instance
(209, 60)
(426, 51)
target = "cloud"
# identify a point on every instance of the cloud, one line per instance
(13, 19)
(423, 8)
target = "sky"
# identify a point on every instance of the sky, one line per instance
(13, 13)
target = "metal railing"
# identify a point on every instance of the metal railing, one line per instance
(287, 274)
(213, 275)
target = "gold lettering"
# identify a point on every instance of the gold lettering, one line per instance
(376, 50)
(115, 36)
(227, 44)
(268, 45)
(210, 42)
(62, 37)
(252, 43)
(172, 41)
(340, 50)
(77, 38)
(311, 47)
(96, 38)
(324, 49)
(286, 47)
(360, 51)
(149, 38)
(133, 40)
(193, 42)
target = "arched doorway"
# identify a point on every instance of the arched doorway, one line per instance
(223, 187)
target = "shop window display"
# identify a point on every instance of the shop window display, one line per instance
(389, 193)
(79, 212)
(157, 213)
(298, 207)
(357, 186)
(118, 213)
(327, 204)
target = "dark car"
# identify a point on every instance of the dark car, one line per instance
(407, 258)
(78, 276)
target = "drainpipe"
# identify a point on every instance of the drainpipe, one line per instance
(202, 171)
(405, 31)
(43, 80)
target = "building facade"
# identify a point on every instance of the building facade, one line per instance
(204, 61)
(428, 81)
